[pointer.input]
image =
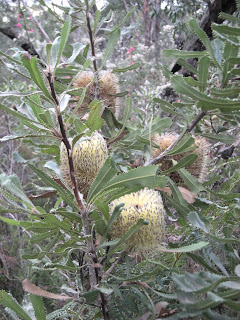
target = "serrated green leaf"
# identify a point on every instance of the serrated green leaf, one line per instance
(11, 222)
(197, 220)
(9, 302)
(207, 102)
(142, 176)
(159, 126)
(187, 66)
(166, 106)
(95, 110)
(229, 51)
(192, 183)
(204, 39)
(38, 307)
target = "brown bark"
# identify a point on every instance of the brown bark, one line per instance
(147, 23)
(211, 15)
(23, 42)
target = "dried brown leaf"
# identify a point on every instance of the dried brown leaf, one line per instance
(29, 287)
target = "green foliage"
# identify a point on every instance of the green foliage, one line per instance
(200, 234)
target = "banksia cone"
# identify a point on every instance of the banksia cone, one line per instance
(107, 88)
(146, 204)
(198, 169)
(88, 157)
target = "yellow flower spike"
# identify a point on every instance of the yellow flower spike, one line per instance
(146, 204)
(88, 157)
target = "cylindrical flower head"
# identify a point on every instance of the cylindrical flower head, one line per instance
(198, 169)
(88, 157)
(90, 154)
(107, 88)
(146, 204)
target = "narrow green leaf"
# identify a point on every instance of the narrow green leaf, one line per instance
(176, 193)
(123, 21)
(65, 194)
(38, 307)
(105, 174)
(114, 216)
(229, 51)
(112, 41)
(203, 66)
(131, 67)
(190, 248)
(176, 54)
(200, 260)
(220, 137)
(24, 119)
(184, 162)
(185, 145)
(18, 94)
(128, 235)
(9, 302)
(12, 184)
(63, 40)
(197, 220)
(229, 31)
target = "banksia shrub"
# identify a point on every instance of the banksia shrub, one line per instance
(198, 169)
(146, 204)
(107, 88)
(89, 154)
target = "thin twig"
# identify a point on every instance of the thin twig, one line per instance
(189, 129)
(38, 25)
(113, 266)
(93, 54)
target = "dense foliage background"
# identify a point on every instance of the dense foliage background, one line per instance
(195, 91)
